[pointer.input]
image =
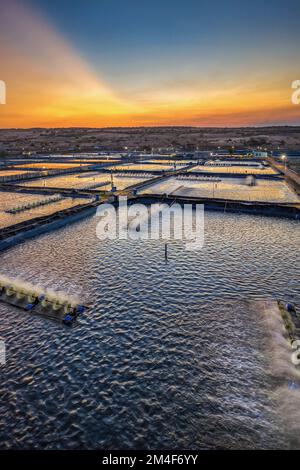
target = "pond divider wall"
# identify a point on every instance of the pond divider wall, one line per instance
(14, 234)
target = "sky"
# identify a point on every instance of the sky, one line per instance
(107, 63)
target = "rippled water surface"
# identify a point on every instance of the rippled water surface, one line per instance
(168, 356)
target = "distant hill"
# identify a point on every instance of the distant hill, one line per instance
(146, 138)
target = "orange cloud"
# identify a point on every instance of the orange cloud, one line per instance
(50, 85)
(46, 80)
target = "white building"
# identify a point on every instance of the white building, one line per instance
(259, 154)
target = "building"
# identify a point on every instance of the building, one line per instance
(259, 154)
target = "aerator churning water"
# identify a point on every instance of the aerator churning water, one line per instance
(34, 299)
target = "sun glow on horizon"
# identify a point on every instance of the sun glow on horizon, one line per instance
(49, 84)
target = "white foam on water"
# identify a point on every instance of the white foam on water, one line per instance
(287, 375)
(36, 289)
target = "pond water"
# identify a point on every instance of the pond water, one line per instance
(167, 356)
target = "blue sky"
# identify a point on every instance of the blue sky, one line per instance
(150, 62)
(131, 34)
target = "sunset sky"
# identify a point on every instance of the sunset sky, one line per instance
(157, 62)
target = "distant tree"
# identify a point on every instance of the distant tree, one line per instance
(257, 141)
